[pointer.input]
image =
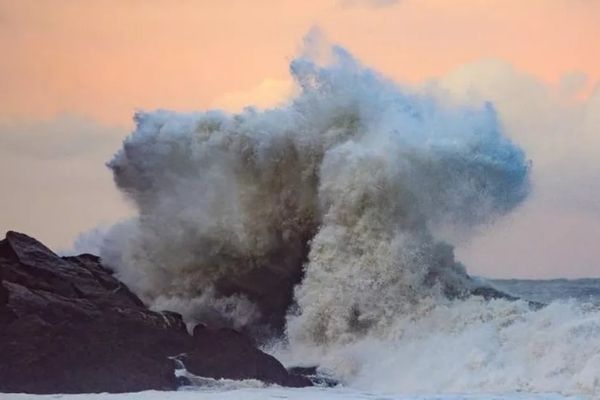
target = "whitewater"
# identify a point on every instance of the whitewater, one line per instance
(324, 226)
(281, 393)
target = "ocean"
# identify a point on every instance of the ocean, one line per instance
(546, 291)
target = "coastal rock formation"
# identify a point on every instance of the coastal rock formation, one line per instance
(67, 325)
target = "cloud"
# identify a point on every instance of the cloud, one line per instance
(62, 137)
(267, 93)
(368, 3)
(53, 179)
(572, 83)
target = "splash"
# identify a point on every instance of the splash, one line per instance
(467, 346)
(350, 178)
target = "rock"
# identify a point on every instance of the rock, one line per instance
(490, 293)
(270, 282)
(316, 378)
(226, 353)
(67, 325)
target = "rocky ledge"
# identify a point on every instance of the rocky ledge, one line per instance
(67, 325)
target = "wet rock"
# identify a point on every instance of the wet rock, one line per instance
(226, 353)
(67, 325)
(489, 293)
(315, 377)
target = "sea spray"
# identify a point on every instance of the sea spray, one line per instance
(354, 173)
(467, 346)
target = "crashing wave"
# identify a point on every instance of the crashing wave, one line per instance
(341, 189)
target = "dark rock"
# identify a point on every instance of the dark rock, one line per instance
(316, 378)
(490, 293)
(281, 268)
(67, 325)
(226, 353)
(305, 371)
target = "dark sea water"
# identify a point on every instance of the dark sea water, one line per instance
(583, 290)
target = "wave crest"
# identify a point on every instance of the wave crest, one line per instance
(339, 191)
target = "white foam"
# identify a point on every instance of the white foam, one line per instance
(277, 393)
(369, 166)
(470, 346)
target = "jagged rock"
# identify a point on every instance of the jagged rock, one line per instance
(67, 325)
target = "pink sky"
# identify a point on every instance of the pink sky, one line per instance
(104, 58)
(71, 66)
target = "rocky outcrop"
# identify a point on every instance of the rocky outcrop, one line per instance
(227, 353)
(67, 325)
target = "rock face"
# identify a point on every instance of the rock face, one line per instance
(67, 325)
(228, 353)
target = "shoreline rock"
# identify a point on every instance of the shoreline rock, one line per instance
(67, 325)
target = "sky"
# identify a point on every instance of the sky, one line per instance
(73, 72)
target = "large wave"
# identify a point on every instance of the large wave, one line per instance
(328, 209)
(354, 172)
(467, 346)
